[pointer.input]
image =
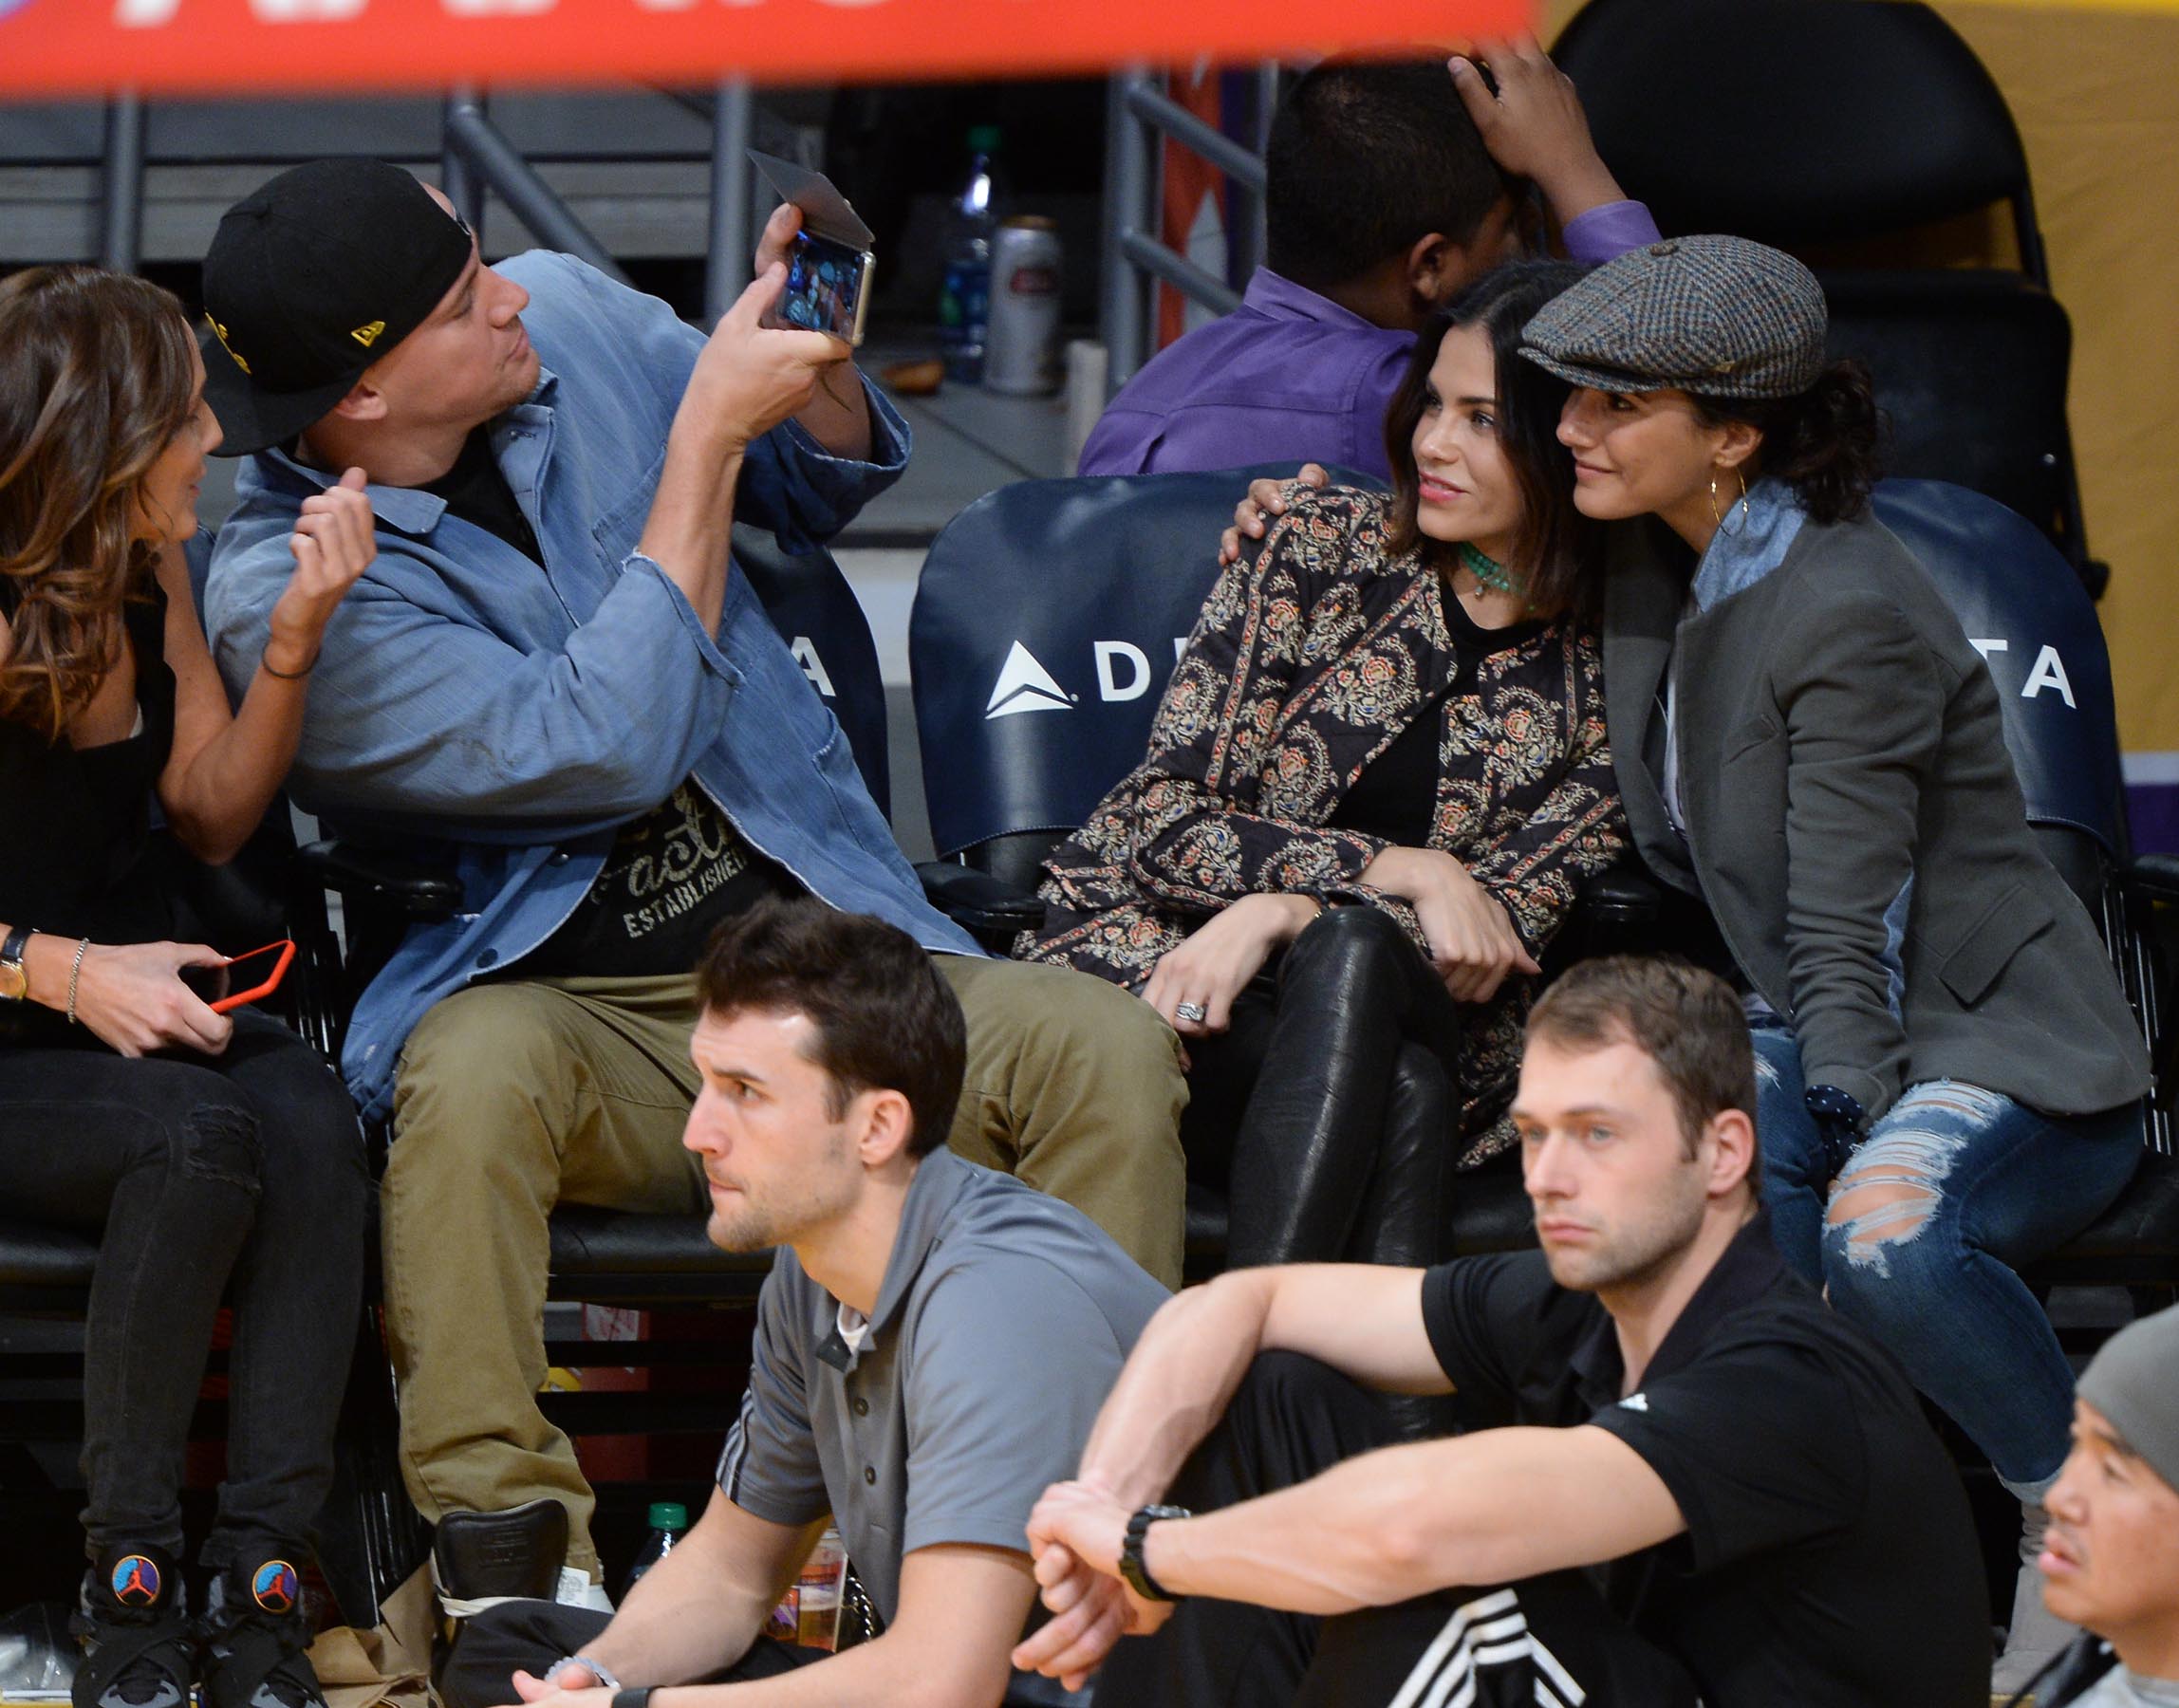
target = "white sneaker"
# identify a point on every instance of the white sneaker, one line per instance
(576, 1590)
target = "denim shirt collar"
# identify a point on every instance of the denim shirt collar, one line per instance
(412, 509)
(1740, 555)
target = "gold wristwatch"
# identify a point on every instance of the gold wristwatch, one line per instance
(14, 981)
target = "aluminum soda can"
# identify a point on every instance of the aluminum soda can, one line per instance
(1021, 348)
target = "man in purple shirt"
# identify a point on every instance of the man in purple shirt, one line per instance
(1389, 188)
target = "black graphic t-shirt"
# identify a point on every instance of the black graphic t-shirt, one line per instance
(475, 490)
(673, 874)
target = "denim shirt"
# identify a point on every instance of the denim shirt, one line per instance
(473, 705)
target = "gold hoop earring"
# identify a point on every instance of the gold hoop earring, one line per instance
(1717, 520)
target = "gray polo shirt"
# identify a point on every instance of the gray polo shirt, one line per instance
(1002, 1324)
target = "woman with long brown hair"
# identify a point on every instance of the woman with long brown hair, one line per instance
(216, 1151)
(1377, 778)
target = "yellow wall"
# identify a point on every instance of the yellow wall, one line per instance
(2096, 93)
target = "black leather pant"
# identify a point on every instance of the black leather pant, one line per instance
(1330, 1102)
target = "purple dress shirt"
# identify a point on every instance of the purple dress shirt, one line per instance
(1289, 377)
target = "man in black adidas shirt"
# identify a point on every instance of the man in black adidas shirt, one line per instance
(1681, 1475)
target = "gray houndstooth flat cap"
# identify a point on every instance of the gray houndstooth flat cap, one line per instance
(1720, 316)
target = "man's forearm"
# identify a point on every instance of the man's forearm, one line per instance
(838, 417)
(869, 1673)
(685, 1619)
(1176, 1385)
(1330, 1544)
(691, 523)
(1478, 1511)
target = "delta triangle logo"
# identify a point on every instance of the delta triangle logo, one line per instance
(1024, 685)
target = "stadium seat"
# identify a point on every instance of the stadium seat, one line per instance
(1823, 126)
(2039, 634)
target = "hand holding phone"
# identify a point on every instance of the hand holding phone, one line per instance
(241, 978)
(829, 259)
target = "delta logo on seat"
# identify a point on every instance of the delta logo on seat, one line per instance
(1025, 685)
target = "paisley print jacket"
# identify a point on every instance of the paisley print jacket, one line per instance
(1305, 665)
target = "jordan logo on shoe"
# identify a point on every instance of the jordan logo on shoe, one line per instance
(134, 1581)
(274, 1587)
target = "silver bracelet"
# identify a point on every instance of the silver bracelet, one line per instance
(604, 1677)
(76, 972)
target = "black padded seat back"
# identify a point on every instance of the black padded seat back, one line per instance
(1016, 858)
(1792, 121)
(822, 621)
(1969, 370)
(1047, 619)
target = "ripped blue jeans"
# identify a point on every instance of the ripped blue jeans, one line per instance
(1954, 1187)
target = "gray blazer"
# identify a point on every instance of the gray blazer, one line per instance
(1840, 743)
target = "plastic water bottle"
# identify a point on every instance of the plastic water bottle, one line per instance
(669, 1524)
(964, 301)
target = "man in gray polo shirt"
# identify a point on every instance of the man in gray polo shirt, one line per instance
(932, 1347)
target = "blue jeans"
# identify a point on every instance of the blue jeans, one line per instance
(1980, 1185)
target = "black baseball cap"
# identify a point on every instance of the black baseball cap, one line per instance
(311, 278)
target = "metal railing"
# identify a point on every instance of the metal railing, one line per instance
(476, 159)
(1142, 121)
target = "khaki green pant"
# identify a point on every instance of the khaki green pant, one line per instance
(514, 1097)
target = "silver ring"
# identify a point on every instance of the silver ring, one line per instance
(1189, 1011)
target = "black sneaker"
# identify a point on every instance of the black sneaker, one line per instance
(252, 1636)
(133, 1620)
(481, 1559)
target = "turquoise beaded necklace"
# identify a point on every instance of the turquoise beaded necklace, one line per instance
(1491, 575)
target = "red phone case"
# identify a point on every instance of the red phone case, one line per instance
(286, 948)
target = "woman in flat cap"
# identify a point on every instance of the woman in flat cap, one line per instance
(1948, 1072)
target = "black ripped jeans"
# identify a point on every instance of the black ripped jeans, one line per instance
(1329, 1107)
(241, 1173)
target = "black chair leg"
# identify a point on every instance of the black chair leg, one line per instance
(372, 1536)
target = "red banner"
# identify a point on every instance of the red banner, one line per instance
(51, 48)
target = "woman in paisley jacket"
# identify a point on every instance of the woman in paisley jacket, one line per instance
(1376, 780)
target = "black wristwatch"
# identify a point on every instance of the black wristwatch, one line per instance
(1841, 1124)
(1132, 1567)
(14, 981)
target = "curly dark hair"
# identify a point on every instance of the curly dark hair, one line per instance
(1365, 158)
(1557, 543)
(1824, 442)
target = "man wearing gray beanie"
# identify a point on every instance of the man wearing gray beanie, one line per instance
(2110, 1559)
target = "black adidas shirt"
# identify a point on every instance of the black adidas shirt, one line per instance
(1829, 1559)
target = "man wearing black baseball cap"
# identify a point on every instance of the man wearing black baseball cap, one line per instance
(304, 304)
(553, 680)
